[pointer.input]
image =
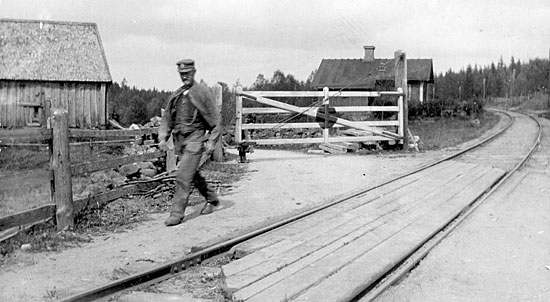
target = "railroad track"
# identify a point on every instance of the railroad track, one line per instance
(491, 162)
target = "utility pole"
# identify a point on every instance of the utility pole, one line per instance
(512, 88)
(484, 89)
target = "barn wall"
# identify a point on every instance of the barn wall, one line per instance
(22, 103)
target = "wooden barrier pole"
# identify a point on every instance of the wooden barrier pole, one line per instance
(218, 152)
(401, 81)
(400, 112)
(61, 166)
(238, 115)
(325, 103)
(171, 164)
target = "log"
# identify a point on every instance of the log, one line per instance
(333, 148)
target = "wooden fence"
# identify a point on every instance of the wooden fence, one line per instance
(377, 130)
(63, 208)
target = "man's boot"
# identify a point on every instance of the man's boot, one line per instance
(209, 207)
(176, 212)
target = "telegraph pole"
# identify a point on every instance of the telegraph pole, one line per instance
(484, 89)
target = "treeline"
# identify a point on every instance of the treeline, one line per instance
(501, 80)
(129, 105)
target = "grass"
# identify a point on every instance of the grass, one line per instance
(442, 133)
(23, 178)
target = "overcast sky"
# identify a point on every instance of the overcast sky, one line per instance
(237, 40)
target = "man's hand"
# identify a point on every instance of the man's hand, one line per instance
(210, 147)
(163, 144)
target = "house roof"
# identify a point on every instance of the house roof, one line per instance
(52, 51)
(352, 74)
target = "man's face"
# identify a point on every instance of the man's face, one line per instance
(187, 77)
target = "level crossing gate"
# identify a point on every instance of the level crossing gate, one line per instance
(327, 115)
(373, 130)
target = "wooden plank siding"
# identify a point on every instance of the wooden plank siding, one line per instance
(3, 103)
(72, 112)
(22, 102)
(102, 106)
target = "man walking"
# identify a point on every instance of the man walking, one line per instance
(189, 114)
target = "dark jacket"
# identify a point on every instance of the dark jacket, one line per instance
(191, 110)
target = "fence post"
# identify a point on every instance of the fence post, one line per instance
(400, 112)
(170, 151)
(401, 81)
(218, 96)
(61, 166)
(325, 103)
(238, 115)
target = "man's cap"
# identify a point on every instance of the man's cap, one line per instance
(186, 65)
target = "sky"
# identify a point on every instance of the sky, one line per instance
(233, 41)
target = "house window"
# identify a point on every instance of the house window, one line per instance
(409, 92)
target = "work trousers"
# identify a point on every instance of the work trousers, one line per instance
(190, 150)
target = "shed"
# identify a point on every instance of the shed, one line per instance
(369, 74)
(49, 64)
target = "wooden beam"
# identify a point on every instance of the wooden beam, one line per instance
(401, 82)
(333, 148)
(238, 115)
(25, 135)
(261, 110)
(316, 125)
(82, 133)
(100, 200)
(317, 140)
(83, 168)
(321, 94)
(27, 217)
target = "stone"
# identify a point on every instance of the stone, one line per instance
(148, 172)
(146, 165)
(129, 169)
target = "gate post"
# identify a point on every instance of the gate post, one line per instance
(61, 166)
(325, 103)
(238, 115)
(401, 82)
(218, 96)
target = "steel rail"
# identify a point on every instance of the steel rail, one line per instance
(404, 267)
(170, 269)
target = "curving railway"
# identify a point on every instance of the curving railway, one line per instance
(356, 247)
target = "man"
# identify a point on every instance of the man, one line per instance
(189, 114)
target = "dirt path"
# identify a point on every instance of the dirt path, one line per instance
(278, 184)
(500, 253)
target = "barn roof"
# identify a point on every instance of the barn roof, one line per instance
(52, 51)
(355, 74)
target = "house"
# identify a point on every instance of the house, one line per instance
(47, 64)
(372, 74)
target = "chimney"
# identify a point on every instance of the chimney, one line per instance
(369, 53)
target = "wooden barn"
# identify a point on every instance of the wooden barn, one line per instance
(372, 74)
(46, 64)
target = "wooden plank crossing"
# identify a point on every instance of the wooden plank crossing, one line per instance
(335, 253)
